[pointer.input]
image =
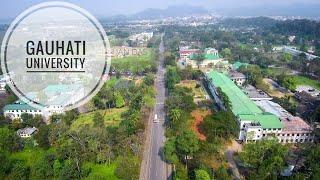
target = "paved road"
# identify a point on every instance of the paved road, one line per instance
(157, 169)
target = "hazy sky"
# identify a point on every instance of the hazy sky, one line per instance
(103, 8)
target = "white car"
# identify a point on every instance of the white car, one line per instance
(155, 120)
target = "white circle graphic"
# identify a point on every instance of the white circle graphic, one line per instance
(55, 54)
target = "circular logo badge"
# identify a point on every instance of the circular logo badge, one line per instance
(55, 54)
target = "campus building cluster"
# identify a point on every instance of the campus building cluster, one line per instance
(257, 116)
(201, 59)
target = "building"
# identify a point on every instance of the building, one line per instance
(26, 132)
(185, 53)
(255, 122)
(237, 77)
(210, 58)
(14, 111)
(235, 66)
(295, 129)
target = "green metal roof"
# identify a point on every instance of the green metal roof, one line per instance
(238, 64)
(206, 57)
(242, 106)
(18, 106)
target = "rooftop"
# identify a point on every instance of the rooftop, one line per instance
(18, 105)
(27, 131)
(255, 94)
(236, 75)
(243, 106)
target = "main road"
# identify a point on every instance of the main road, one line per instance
(156, 167)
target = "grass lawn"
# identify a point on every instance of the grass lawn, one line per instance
(102, 171)
(135, 63)
(197, 92)
(302, 80)
(29, 156)
(111, 117)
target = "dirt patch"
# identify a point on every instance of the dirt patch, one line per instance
(198, 116)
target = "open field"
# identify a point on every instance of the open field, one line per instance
(102, 171)
(302, 80)
(111, 117)
(135, 63)
(30, 156)
(198, 93)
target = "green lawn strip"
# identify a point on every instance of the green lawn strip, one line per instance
(134, 63)
(302, 80)
(30, 155)
(111, 117)
(102, 171)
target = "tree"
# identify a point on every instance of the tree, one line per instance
(312, 160)
(170, 151)
(119, 100)
(172, 77)
(5, 165)
(226, 53)
(202, 175)
(98, 120)
(19, 171)
(222, 174)
(175, 114)
(187, 143)
(42, 137)
(8, 140)
(42, 168)
(57, 166)
(264, 158)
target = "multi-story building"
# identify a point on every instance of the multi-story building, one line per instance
(257, 123)
(210, 58)
(237, 77)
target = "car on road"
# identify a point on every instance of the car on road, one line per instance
(155, 120)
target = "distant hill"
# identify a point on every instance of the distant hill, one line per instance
(171, 11)
(153, 13)
(296, 9)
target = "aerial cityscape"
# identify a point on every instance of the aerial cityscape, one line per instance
(195, 90)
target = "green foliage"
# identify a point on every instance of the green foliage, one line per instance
(98, 120)
(170, 151)
(19, 171)
(187, 143)
(119, 100)
(202, 175)
(9, 141)
(42, 137)
(128, 168)
(222, 174)
(264, 158)
(287, 82)
(312, 160)
(220, 125)
(172, 77)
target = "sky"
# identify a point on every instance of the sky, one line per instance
(104, 8)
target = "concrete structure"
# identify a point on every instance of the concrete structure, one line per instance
(237, 77)
(26, 132)
(295, 129)
(308, 89)
(185, 53)
(258, 123)
(293, 51)
(255, 94)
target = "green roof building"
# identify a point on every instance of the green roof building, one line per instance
(249, 115)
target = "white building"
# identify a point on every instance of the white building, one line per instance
(210, 58)
(237, 77)
(26, 132)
